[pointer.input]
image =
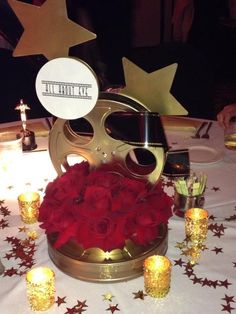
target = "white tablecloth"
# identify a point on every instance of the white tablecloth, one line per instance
(210, 287)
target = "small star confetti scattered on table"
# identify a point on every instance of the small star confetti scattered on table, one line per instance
(107, 297)
(227, 307)
(113, 308)
(217, 250)
(60, 301)
(139, 295)
(228, 299)
(215, 188)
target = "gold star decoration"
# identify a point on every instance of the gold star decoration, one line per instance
(152, 89)
(47, 29)
(33, 235)
(181, 245)
(107, 297)
(23, 229)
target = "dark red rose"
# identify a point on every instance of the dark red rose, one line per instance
(98, 201)
(101, 208)
(105, 233)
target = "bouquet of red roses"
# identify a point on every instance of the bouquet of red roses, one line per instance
(102, 208)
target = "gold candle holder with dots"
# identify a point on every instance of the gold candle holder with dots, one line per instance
(29, 203)
(196, 225)
(157, 276)
(40, 283)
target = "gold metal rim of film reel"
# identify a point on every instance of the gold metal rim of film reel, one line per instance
(98, 266)
(98, 146)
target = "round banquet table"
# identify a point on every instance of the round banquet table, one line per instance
(208, 287)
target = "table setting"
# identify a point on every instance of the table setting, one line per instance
(91, 218)
(209, 283)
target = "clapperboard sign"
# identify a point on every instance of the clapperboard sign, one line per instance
(67, 88)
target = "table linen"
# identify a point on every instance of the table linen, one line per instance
(208, 287)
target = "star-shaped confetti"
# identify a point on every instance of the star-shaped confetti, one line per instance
(107, 297)
(81, 305)
(10, 272)
(8, 256)
(231, 218)
(22, 250)
(33, 234)
(212, 217)
(189, 272)
(113, 308)
(3, 224)
(215, 188)
(47, 29)
(71, 310)
(205, 282)
(60, 301)
(23, 229)
(228, 299)
(78, 308)
(139, 295)
(213, 283)
(152, 89)
(225, 283)
(195, 280)
(217, 250)
(4, 211)
(181, 245)
(179, 262)
(227, 308)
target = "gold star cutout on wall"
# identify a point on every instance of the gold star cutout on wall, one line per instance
(152, 89)
(47, 29)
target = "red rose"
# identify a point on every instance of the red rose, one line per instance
(98, 201)
(102, 208)
(105, 233)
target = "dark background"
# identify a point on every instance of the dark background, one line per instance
(205, 78)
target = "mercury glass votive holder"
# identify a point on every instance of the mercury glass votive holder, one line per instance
(196, 225)
(29, 203)
(157, 276)
(40, 285)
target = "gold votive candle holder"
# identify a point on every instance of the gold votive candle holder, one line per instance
(157, 276)
(40, 285)
(29, 203)
(196, 225)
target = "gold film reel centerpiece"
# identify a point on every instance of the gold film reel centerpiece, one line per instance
(95, 138)
(117, 130)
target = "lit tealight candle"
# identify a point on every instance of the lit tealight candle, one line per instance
(40, 283)
(29, 203)
(196, 225)
(157, 275)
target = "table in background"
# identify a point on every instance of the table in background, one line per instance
(210, 287)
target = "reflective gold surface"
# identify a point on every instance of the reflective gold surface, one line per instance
(152, 89)
(157, 276)
(99, 266)
(99, 147)
(40, 283)
(29, 203)
(47, 29)
(196, 225)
